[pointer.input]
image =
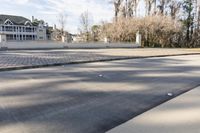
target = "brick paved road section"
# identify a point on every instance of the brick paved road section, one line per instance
(39, 58)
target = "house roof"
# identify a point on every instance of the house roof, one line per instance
(16, 20)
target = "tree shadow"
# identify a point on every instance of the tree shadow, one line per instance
(93, 97)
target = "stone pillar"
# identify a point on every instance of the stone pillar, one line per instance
(64, 39)
(106, 40)
(3, 41)
(3, 38)
(138, 39)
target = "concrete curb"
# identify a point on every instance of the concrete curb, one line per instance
(166, 99)
(91, 61)
(176, 94)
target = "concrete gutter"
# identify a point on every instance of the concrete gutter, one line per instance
(179, 115)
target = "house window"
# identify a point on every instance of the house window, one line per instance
(28, 37)
(28, 29)
(10, 37)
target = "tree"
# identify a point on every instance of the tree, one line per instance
(168, 23)
(155, 7)
(188, 22)
(117, 4)
(148, 4)
(174, 7)
(162, 6)
(132, 8)
(196, 12)
(96, 30)
(62, 22)
(198, 17)
(36, 22)
(85, 24)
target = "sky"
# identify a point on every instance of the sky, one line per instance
(49, 10)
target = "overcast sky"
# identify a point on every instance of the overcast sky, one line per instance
(48, 10)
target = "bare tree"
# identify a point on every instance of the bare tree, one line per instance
(162, 6)
(198, 18)
(117, 4)
(85, 24)
(62, 22)
(148, 4)
(175, 7)
(154, 7)
(132, 8)
(168, 23)
(196, 12)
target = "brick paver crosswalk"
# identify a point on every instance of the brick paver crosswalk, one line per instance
(32, 58)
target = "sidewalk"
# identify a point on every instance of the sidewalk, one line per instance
(180, 115)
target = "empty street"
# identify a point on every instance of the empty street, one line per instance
(91, 97)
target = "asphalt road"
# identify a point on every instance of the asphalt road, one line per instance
(93, 97)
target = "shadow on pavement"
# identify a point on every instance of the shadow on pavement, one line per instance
(93, 97)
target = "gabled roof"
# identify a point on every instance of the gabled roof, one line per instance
(16, 20)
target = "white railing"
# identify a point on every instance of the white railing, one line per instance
(18, 33)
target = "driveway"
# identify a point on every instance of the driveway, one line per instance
(91, 97)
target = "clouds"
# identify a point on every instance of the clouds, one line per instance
(16, 1)
(49, 10)
(99, 10)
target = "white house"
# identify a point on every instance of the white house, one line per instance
(18, 28)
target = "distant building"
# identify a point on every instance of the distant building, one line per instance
(78, 38)
(18, 28)
(56, 34)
